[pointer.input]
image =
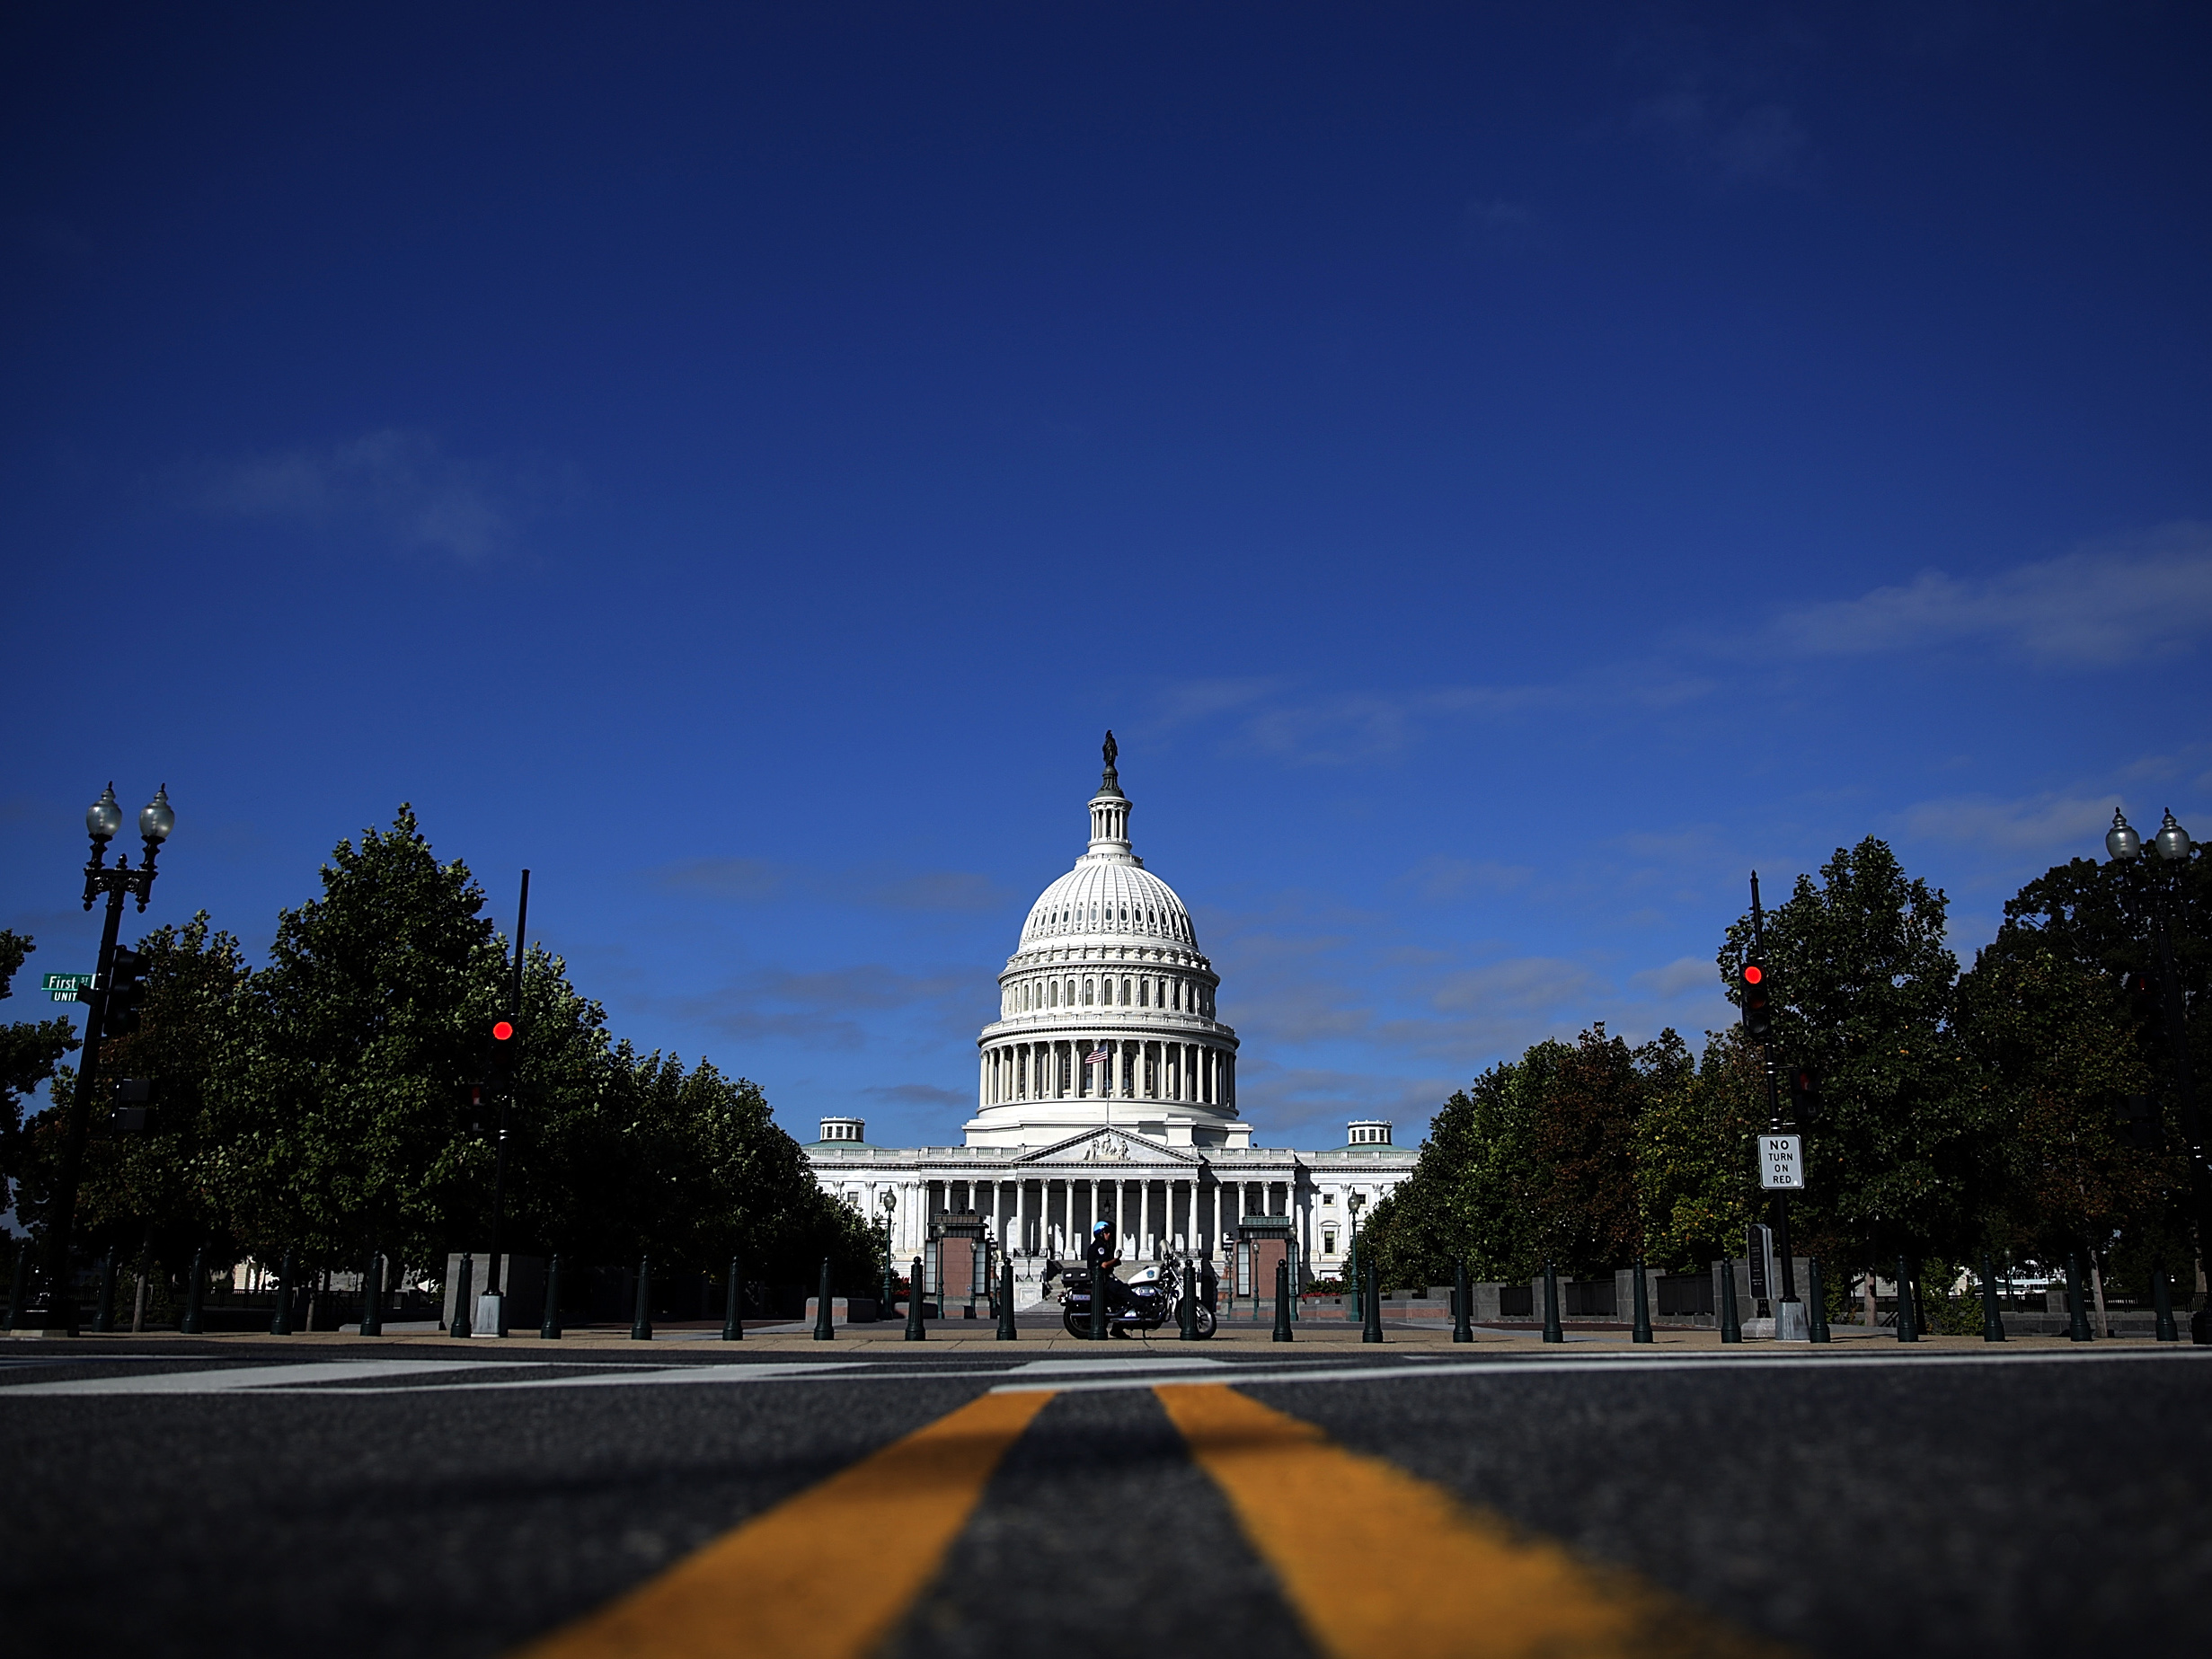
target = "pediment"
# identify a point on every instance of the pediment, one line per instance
(1107, 1148)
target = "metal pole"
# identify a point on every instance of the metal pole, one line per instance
(642, 1318)
(1463, 1322)
(62, 1310)
(1909, 1321)
(372, 1296)
(1774, 1118)
(549, 1327)
(1641, 1331)
(1815, 1303)
(1731, 1322)
(507, 1097)
(2174, 1017)
(825, 1322)
(464, 1292)
(1371, 1326)
(1006, 1332)
(2162, 1304)
(916, 1330)
(733, 1307)
(1552, 1332)
(1282, 1332)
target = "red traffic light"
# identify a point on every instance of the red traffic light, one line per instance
(1752, 974)
(503, 1029)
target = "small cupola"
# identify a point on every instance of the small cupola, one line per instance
(844, 1129)
(1367, 1131)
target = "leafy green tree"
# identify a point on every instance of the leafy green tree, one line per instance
(29, 1052)
(1694, 1151)
(1862, 987)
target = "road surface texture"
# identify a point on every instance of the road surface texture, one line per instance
(337, 1498)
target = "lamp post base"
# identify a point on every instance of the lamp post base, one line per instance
(1791, 1323)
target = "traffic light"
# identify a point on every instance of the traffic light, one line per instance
(502, 1065)
(1758, 1017)
(1804, 1102)
(132, 1095)
(125, 993)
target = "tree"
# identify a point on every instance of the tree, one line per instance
(1694, 1151)
(1862, 987)
(29, 1052)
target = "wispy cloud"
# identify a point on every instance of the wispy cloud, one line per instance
(749, 880)
(2107, 604)
(1336, 728)
(823, 1008)
(397, 486)
(917, 1094)
(1679, 977)
(2033, 824)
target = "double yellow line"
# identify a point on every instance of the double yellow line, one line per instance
(1376, 1561)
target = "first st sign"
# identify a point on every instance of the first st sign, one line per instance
(1782, 1162)
(64, 987)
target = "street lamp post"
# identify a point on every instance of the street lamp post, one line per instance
(1352, 1256)
(2174, 850)
(890, 1203)
(102, 818)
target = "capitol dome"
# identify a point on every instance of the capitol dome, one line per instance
(1106, 1009)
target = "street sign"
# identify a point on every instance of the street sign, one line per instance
(64, 987)
(1782, 1162)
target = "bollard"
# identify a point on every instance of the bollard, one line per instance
(1098, 1302)
(1731, 1325)
(641, 1316)
(2162, 1304)
(191, 1325)
(1282, 1301)
(1371, 1325)
(1993, 1321)
(1187, 1305)
(1816, 1303)
(22, 1282)
(1462, 1316)
(1552, 1332)
(1641, 1331)
(1908, 1319)
(733, 1307)
(2077, 1316)
(549, 1328)
(372, 1296)
(1006, 1332)
(916, 1331)
(280, 1317)
(104, 1313)
(463, 1298)
(825, 1322)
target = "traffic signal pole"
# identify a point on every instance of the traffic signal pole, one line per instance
(1780, 1203)
(61, 1305)
(507, 1096)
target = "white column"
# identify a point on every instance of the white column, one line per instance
(1144, 1216)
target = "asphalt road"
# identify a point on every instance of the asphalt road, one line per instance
(2029, 1501)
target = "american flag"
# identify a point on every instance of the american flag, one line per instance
(1099, 1055)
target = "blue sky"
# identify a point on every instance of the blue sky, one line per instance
(1501, 473)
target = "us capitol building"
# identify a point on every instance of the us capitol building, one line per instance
(1106, 1089)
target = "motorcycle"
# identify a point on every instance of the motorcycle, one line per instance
(1149, 1299)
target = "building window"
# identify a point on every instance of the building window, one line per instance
(1125, 994)
(1088, 991)
(1328, 1241)
(1328, 1199)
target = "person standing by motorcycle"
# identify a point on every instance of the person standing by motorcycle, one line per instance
(1102, 1258)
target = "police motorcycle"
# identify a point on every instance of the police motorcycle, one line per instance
(1150, 1298)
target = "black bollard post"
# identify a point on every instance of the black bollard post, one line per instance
(825, 1320)
(549, 1327)
(2077, 1316)
(464, 1300)
(1641, 1331)
(1098, 1277)
(280, 1318)
(1187, 1304)
(1371, 1323)
(22, 1284)
(1282, 1302)
(191, 1325)
(733, 1307)
(2162, 1304)
(1993, 1321)
(1006, 1332)
(103, 1312)
(641, 1316)
(916, 1331)
(1552, 1332)
(1463, 1315)
(1908, 1320)
(1816, 1302)
(372, 1296)
(1731, 1324)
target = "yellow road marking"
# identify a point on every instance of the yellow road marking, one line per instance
(1379, 1562)
(822, 1575)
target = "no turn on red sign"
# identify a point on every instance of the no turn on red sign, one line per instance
(1782, 1162)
